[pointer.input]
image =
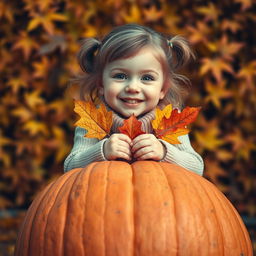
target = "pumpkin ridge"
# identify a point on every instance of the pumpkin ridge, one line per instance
(68, 179)
(56, 185)
(86, 195)
(174, 205)
(183, 177)
(29, 220)
(231, 221)
(201, 184)
(89, 168)
(106, 205)
(228, 217)
(78, 176)
(248, 243)
(134, 200)
(36, 213)
(159, 167)
(39, 206)
(151, 178)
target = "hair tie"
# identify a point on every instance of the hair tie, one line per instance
(170, 43)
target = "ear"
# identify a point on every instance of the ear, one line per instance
(165, 88)
(101, 91)
(163, 92)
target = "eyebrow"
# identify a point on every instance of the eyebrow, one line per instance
(141, 71)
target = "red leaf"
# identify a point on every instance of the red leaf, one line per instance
(170, 128)
(131, 127)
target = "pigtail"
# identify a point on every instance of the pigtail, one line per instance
(181, 52)
(86, 55)
(178, 53)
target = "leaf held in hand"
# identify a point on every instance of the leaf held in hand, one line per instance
(131, 127)
(97, 121)
(169, 126)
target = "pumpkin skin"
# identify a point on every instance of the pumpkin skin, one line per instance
(147, 208)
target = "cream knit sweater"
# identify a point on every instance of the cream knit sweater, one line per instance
(88, 150)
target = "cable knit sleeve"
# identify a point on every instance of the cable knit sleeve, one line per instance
(84, 151)
(184, 155)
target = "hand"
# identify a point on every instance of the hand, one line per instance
(117, 146)
(147, 146)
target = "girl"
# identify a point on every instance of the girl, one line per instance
(133, 71)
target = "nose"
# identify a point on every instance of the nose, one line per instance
(132, 86)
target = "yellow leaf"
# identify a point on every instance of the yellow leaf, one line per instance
(44, 5)
(23, 113)
(90, 31)
(47, 21)
(210, 12)
(153, 14)
(26, 44)
(173, 136)
(16, 84)
(217, 92)
(248, 72)
(231, 25)
(241, 146)
(216, 66)
(35, 127)
(57, 17)
(4, 141)
(41, 68)
(199, 33)
(209, 138)
(97, 121)
(34, 23)
(134, 15)
(224, 48)
(223, 155)
(166, 112)
(62, 147)
(33, 99)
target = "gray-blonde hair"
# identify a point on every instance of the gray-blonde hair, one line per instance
(124, 42)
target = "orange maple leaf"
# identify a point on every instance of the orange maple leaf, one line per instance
(131, 127)
(97, 121)
(170, 127)
(216, 66)
(26, 44)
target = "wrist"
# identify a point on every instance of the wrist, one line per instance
(164, 150)
(104, 147)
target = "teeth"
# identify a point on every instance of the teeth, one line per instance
(131, 101)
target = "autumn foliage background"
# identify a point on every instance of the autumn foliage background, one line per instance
(38, 45)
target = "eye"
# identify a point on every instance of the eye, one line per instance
(120, 76)
(147, 78)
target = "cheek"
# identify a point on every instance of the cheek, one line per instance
(110, 92)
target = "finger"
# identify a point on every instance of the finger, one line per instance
(142, 151)
(124, 149)
(124, 156)
(119, 155)
(140, 137)
(139, 145)
(120, 152)
(149, 155)
(145, 141)
(125, 138)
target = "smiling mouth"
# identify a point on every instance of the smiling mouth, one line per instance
(131, 101)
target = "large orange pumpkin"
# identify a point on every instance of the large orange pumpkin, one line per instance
(144, 209)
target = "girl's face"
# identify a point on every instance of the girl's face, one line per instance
(134, 85)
